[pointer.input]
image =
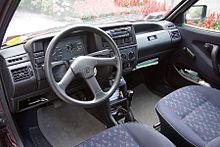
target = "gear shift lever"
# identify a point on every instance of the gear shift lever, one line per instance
(130, 94)
(130, 116)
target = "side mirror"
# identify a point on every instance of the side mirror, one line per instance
(196, 12)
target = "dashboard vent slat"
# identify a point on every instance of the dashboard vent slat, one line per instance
(21, 73)
(171, 26)
(175, 34)
(15, 60)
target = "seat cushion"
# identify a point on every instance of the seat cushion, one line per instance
(214, 143)
(128, 135)
(193, 112)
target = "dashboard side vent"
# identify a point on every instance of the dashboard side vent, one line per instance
(15, 60)
(170, 26)
(175, 34)
(20, 74)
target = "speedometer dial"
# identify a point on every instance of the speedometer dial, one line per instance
(70, 46)
(79, 45)
(57, 54)
(76, 45)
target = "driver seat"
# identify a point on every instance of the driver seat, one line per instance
(128, 135)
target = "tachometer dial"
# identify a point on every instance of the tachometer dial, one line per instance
(58, 54)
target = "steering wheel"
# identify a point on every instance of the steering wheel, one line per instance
(83, 67)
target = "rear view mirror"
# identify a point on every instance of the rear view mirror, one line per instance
(197, 12)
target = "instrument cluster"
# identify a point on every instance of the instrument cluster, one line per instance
(70, 47)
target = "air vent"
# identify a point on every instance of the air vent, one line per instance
(21, 73)
(15, 60)
(175, 34)
(170, 26)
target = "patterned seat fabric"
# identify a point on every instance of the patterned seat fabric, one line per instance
(194, 112)
(116, 136)
(128, 135)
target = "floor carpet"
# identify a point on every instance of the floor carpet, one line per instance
(67, 125)
(143, 105)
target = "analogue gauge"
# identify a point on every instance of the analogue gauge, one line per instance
(70, 46)
(74, 46)
(57, 54)
(79, 45)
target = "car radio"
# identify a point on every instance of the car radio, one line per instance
(125, 39)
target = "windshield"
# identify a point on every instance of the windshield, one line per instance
(37, 15)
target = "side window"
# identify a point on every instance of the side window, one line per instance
(196, 15)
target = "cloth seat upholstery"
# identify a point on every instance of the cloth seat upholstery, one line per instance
(128, 135)
(193, 112)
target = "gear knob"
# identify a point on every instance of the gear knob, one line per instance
(130, 94)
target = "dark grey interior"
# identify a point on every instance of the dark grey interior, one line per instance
(72, 131)
(143, 105)
(23, 66)
(29, 57)
(64, 87)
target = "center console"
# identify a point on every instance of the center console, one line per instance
(119, 103)
(124, 37)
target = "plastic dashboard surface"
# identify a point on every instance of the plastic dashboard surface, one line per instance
(22, 65)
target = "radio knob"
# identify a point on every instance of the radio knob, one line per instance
(123, 57)
(131, 55)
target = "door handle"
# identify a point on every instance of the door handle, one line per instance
(214, 56)
(189, 52)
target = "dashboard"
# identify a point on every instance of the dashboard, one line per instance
(22, 65)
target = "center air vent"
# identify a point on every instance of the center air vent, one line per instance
(175, 34)
(21, 73)
(17, 59)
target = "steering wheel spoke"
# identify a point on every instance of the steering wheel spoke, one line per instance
(106, 61)
(95, 88)
(66, 80)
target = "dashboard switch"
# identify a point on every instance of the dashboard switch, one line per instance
(39, 61)
(124, 57)
(40, 54)
(131, 55)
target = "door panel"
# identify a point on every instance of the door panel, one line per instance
(192, 54)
